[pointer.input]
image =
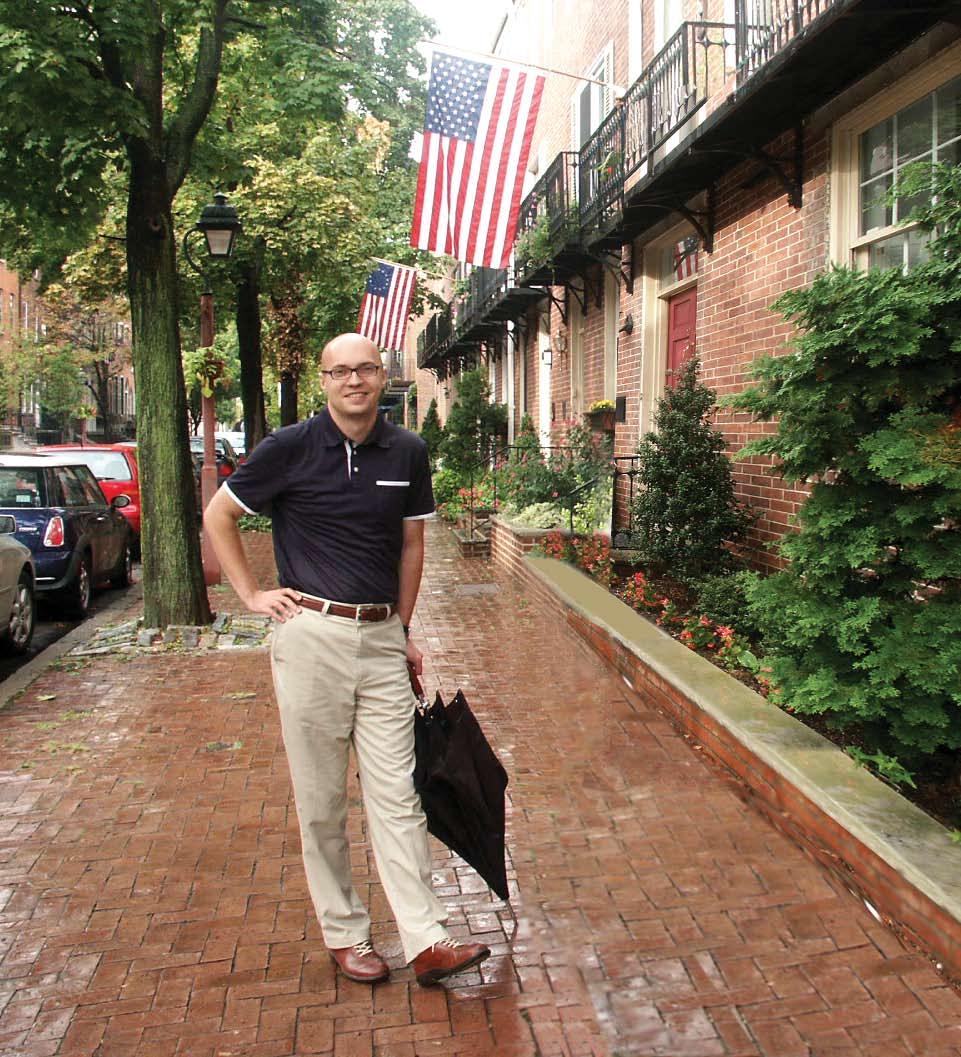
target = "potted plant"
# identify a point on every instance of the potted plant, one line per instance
(600, 415)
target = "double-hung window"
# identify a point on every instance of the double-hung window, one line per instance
(917, 120)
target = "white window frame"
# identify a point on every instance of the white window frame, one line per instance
(847, 246)
(601, 96)
(668, 17)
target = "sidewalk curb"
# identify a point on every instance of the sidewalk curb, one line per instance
(33, 669)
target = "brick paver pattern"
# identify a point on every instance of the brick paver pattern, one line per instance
(153, 899)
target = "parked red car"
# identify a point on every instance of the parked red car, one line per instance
(115, 467)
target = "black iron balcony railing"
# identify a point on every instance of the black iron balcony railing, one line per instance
(765, 27)
(549, 221)
(435, 338)
(676, 83)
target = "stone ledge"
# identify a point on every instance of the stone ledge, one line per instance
(899, 859)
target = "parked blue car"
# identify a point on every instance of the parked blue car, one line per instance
(77, 538)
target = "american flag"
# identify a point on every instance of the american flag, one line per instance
(386, 305)
(685, 257)
(477, 136)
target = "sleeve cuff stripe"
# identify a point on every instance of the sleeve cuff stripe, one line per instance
(239, 502)
(420, 517)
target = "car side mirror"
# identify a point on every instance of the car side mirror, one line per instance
(8, 524)
(120, 501)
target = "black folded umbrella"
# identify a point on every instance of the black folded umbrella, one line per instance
(461, 784)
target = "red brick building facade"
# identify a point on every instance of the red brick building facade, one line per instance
(735, 149)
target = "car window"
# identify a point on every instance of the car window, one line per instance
(106, 465)
(69, 479)
(91, 489)
(20, 487)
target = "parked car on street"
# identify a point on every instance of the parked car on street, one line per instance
(115, 467)
(227, 460)
(237, 440)
(77, 537)
(17, 605)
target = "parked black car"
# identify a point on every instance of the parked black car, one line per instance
(227, 460)
(78, 539)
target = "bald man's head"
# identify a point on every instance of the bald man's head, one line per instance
(352, 344)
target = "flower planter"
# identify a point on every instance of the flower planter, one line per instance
(472, 546)
(601, 421)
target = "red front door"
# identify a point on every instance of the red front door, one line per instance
(681, 336)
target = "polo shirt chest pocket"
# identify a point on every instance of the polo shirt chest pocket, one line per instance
(391, 495)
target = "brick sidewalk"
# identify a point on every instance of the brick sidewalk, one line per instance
(153, 901)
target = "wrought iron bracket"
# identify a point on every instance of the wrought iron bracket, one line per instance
(702, 220)
(789, 171)
(621, 266)
(597, 288)
(560, 303)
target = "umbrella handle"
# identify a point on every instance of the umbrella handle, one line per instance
(415, 685)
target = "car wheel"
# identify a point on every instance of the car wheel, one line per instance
(23, 617)
(79, 592)
(123, 577)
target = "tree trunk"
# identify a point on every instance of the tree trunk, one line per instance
(251, 354)
(288, 398)
(174, 591)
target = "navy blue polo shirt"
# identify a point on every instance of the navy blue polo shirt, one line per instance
(338, 508)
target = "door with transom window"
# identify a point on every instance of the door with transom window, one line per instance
(681, 333)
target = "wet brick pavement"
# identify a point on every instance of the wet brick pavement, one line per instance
(152, 901)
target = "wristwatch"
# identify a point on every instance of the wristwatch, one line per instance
(406, 628)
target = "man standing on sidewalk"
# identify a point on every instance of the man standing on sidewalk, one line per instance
(348, 493)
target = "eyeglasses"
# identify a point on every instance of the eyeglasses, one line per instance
(341, 374)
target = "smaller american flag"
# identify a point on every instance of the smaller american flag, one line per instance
(386, 305)
(685, 257)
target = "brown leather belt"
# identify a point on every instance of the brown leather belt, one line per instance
(367, 611)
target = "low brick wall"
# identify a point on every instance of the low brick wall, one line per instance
(510, 543)
(899, 860)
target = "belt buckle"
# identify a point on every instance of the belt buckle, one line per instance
(372, 605)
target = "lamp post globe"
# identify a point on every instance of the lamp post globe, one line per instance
(220, 224)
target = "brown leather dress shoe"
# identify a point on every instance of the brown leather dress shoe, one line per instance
(445, 958)
(360, 963)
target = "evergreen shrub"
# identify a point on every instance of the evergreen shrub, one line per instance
(432, 433)
(864, 625)
(686, 517)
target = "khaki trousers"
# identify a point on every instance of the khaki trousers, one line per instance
(341, 682)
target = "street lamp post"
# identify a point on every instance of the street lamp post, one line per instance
(220, 225)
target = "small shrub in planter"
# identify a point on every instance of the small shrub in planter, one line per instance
(724, 599)
(686, 516)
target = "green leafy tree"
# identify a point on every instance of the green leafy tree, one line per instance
(86, 332)
(864, 625)
(473, 425)
(432, 432)
(133, 85)
(686, 516)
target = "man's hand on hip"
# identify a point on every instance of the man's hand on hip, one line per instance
(281, 603)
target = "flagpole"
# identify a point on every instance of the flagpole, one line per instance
(513, 62)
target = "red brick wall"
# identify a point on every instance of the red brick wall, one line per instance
(763, 247)
(508, 546)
